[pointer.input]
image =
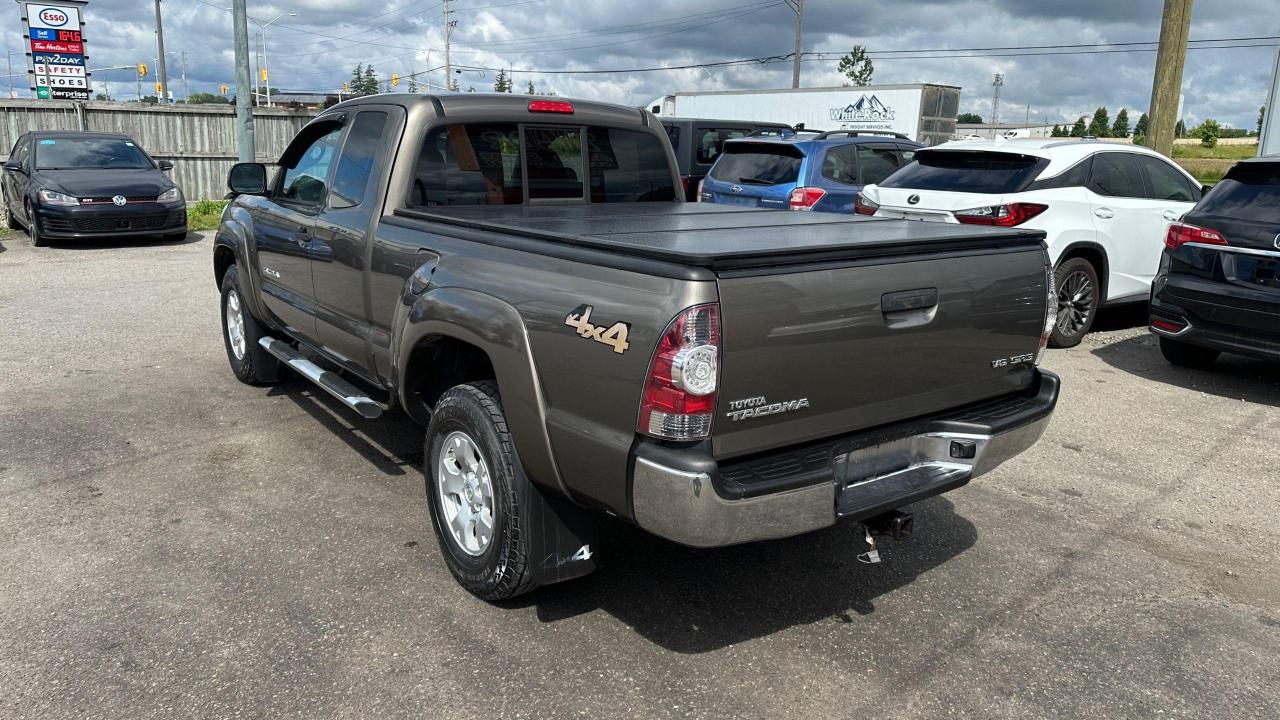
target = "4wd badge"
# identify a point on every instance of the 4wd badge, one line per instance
(615, 336)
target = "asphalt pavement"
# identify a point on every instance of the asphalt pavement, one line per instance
(176, 544)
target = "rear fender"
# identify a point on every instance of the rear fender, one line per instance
(497, 329)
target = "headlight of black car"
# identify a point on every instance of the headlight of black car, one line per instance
(50, 197)
(172, 195)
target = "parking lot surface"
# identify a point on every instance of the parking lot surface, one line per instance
(176, 544)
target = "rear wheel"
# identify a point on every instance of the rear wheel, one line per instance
(1186, 354)
(10, 222)
(483, 507)
(33, 228)
(1078, 299)
(250, 362)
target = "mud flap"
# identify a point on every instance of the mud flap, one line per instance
(564, 542)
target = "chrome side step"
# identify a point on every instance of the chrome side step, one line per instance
(329, 381)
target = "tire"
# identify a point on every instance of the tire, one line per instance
(10, 222)
(251, 364)
(1078, 298)
(503, 566)
(1186, 354)
(33, 229)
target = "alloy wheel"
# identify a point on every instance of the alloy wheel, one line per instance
(235, 325)
(1075, 303)
(466, 493)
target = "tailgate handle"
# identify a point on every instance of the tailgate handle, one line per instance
(906, 300)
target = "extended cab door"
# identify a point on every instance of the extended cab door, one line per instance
(341, 240)
(282, 229)
(1121, 217)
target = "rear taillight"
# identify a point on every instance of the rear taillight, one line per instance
(1181, 233)
(1000, 215)
(551, 106)
(1050, 312)
(804, 198)
(680, 393)
(864, 205)
(684, 184)
(701, 193)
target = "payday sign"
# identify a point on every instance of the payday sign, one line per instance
(55, 38)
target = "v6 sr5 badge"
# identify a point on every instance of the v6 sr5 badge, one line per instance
(615, 335)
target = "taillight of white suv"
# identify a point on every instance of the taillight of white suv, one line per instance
(680, 392)
(1010, 215)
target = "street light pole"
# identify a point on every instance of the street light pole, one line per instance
(164, 81)
(266, 61)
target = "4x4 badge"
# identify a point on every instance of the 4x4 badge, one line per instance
(615, 336)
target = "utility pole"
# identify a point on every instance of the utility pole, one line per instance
(8, 61)
(448, 30)
(164, 83)
(186, 91)
(244, 98)
(797, 6)
(996, 84)
(1175, 26)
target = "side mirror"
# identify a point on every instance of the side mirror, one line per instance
(247, 179)
(12, 165)
(165, 165)
(1204, 189)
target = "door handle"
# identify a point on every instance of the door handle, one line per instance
(1171, 215)
(1104, 213)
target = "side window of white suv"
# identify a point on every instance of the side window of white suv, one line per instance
(1115, 174)
(1166, 182)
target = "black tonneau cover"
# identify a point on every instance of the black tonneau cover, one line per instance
(723, 237)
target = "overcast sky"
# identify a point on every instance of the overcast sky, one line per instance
(316, 49)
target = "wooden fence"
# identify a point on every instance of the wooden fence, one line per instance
(199, 139)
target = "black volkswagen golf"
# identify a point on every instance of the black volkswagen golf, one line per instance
(71, 185)
(1218, 286)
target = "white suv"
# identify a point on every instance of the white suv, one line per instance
(1104, 206)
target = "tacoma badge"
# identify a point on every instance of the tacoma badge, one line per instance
(759, 407)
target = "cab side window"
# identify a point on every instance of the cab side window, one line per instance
(355, 164)
(304, 183)
(711, 142)
(878, 163)
(1115, 174)
(1167, 183)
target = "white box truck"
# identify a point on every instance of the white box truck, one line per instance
(925, 112)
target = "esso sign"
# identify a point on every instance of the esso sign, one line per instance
(52, 17)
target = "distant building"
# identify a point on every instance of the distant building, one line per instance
(989, 131)
(310, 101)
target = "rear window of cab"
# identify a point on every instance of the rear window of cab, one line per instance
(482, 164)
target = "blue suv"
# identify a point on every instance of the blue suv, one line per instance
(821, 172)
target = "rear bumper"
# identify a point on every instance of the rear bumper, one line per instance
(1220, 316)
(681, 495)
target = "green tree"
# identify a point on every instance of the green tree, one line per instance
(857, 66)
(1099, 127)
(1078, 130)
(969, 118)
(356, 82)
(453, 84)
(531, 90)
(1120, 128)
(102, 96)
(1208, 131)
(501, 82)
(206, 98)
(1262, 112)
(1180, 129)
(1057, 131)
(1143, 127)
(370, 85)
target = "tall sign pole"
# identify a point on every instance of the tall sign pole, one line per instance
(1166, 90)
(55, 38)
(244, 91)
(163, 93)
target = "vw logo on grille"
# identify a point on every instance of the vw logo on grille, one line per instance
(913, 199)
(119, 200)
(735, 188)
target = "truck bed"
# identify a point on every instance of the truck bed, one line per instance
(721, 237)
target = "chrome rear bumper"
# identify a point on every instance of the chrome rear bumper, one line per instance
(683, 505)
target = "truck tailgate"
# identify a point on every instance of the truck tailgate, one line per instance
(816, 351)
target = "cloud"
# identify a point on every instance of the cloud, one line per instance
(317, 48)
